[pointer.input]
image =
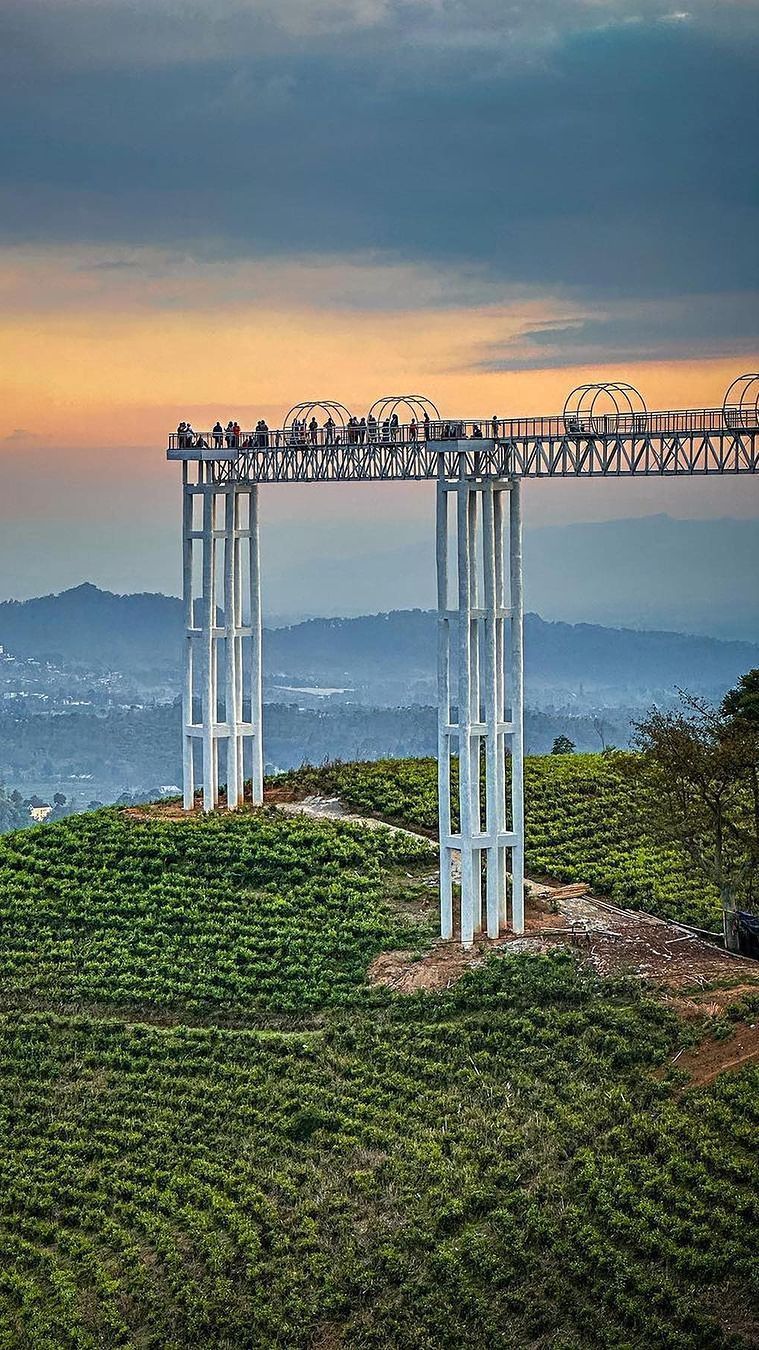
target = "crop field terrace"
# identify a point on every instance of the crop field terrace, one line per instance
(216, 1134)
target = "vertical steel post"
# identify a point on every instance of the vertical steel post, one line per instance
(517, 707)
(188, 772)
(473, 494)
(444, 709)
(500, 629)
(231, 711)
(209, 643)
(239, 651)
(465, 713)
(493, 738)
(257, 769)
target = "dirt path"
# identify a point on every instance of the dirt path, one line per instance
(612, 939)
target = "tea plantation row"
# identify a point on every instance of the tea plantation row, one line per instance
(492, 1167)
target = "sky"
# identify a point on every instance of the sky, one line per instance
(218, 209)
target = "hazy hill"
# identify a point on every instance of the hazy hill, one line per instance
(141, 632)
(95, 628)
(555, 653)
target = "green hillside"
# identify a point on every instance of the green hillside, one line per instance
(238, 916)
(586, 819)
(217, 1135)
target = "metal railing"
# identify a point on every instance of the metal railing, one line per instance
(506, 430)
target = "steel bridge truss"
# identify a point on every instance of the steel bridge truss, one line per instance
(478, 467)
(609, 456)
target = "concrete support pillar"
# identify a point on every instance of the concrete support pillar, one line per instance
(208, 619)
(444, 712)
(517, 707)
(233, 716)
(488, 613)
(225, 527)
(256, 673)
(188, 767)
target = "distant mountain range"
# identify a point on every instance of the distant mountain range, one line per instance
(141, 633)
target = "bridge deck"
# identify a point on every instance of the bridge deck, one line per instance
(688, 441)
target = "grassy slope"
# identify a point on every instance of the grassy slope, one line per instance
(493, 1166)
(585, 821)
(236, 916)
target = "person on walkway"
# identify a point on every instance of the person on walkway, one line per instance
(494, 427)
(218, 435)
(362, 431)
(229, 434)
(236, 433)
(413, 430)
(394, 427)
(313, 428)
(477, 431)
(329, 430)
(427, 433)
(371, 427)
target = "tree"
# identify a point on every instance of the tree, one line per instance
(563, 746)
(742, 703)
(705, 768)
(59, 799)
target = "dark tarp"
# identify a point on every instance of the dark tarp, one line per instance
(748, 933)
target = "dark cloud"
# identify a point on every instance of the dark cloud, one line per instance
(701, 326)
(618, 165)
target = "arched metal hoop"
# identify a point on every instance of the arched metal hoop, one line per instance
(600, 409)
(740, 408)
(303, 412)
(412, 408)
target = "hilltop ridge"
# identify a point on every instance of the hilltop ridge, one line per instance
(105, 630)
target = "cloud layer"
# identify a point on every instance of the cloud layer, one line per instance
(573, 146)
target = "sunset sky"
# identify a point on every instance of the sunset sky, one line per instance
(219, 209)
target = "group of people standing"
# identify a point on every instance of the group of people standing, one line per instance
(231, 436)
(356, 431)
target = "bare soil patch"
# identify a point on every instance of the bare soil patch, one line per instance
(704, 1061)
